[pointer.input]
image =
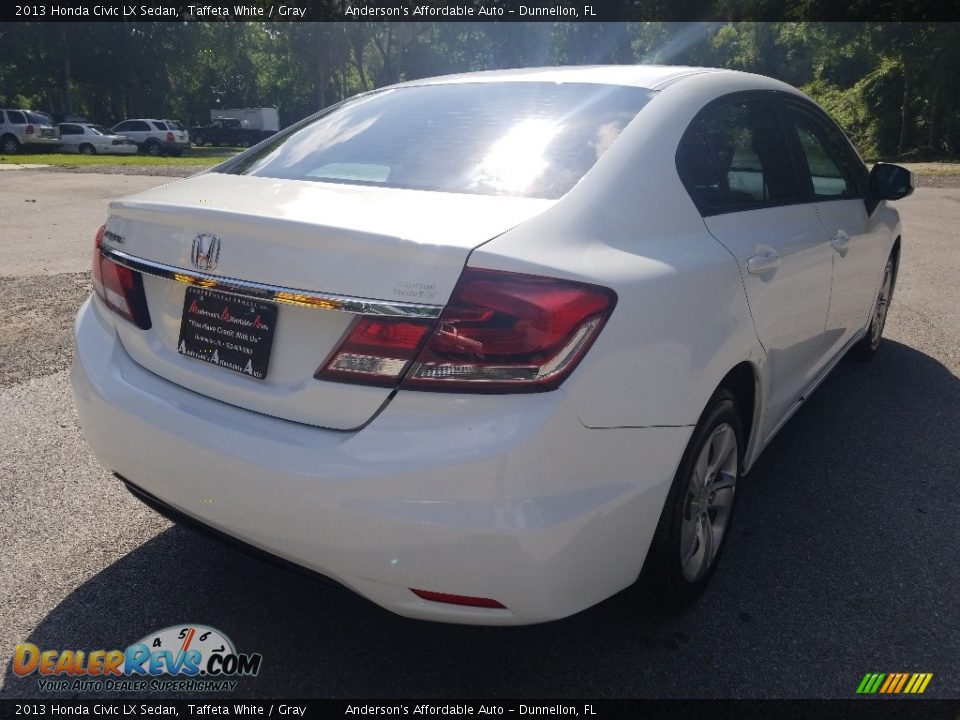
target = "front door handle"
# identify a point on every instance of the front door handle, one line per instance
(841, 242)
(764, 262)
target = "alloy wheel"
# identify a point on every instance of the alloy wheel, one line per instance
(708, 503)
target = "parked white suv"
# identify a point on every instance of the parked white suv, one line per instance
(25, 130)
(154, 137)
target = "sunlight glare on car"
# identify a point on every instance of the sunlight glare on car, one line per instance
(517, 159)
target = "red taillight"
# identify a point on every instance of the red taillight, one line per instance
(119, 287)
(170, 137)
(457, 599)
(377, 350)
(500, 332)
(97, 275)
(28, 130)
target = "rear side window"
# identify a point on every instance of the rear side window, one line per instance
(159, 125)
(829, 167)
(529, 139)
(16, 117)
(71, 130)
(734, 156)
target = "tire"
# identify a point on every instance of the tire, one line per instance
(868, 346)
(244, 143)
(199, 140)
(153, 149)
(9, 145)
(696, 518)
(87, 149)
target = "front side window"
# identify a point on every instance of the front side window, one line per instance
(734, 157)
(829, 166)
(529, 139)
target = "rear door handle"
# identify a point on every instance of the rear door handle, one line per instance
(840, 242)
(763, 262)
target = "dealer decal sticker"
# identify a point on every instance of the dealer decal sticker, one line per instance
(188, 658)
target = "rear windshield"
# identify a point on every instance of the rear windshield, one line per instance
(39, 118)
(520, 138)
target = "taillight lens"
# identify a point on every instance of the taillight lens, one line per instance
(170, 137)
(28, 130)
(377, 350)
(119, 287)
(500, 332)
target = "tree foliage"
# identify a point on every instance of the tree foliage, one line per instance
(889, 84)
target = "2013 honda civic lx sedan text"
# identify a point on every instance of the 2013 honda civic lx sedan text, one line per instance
(480, 347)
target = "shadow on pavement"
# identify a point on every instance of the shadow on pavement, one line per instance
(839, 563)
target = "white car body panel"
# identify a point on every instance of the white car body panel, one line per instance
(857, 267)
(545, 502)
(788, 303)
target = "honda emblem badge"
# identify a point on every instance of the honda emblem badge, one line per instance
(206, 251)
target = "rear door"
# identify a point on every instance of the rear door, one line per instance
(71, 135)
(834, 177)
(735, 162)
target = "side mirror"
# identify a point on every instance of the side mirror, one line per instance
(890, 182)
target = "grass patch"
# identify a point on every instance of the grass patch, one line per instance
(203, 157)
(933, 169)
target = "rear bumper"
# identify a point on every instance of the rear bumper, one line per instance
(33, 141)
(118, 149)
(503, 497)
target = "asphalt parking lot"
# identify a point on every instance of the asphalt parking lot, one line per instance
(843, 558)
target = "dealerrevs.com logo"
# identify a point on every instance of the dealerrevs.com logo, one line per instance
(190, 658)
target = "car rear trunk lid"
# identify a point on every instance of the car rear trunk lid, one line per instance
(382, 250)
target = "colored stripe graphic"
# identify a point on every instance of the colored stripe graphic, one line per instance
(894, 683)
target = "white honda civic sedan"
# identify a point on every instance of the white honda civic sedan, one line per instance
(481, 347)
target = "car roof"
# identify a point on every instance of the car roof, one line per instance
(652, 77)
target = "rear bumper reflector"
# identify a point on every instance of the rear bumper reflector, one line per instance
(458, 599)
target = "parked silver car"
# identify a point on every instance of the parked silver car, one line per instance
(90, 139)
(25, 130)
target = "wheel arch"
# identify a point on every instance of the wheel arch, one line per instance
(895, 253)
(743, 380)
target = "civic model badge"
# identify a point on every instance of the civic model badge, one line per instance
(206, 251)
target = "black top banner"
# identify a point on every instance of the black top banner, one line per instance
(484, 11)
